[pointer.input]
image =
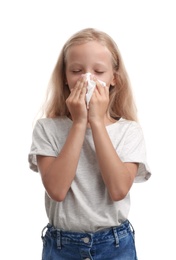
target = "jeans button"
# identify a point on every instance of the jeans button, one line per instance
(86, 240)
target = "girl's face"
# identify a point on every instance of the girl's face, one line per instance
(90, 57)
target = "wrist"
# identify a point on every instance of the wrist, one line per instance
(80, 124)
(97, 123)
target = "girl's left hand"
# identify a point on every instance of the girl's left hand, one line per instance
(99, 103)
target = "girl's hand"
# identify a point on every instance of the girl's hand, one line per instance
(76, 102)
(99, 103)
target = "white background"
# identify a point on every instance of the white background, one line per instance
(31, 36)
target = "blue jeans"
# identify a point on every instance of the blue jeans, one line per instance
(116, 243)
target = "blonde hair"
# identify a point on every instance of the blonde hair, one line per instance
(121, 102)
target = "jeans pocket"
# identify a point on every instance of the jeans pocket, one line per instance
(48, 244)
(133, 239)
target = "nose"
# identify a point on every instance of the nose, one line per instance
(88, 74)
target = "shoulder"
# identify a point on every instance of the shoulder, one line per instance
(128, 123)
(124, 125)
(124, 130)
(59, 126)
(131, 127)
(51, 122)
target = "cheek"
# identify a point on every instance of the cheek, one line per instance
(71, 80)
(71, 83)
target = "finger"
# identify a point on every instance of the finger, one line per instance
(81, 87)
(99, 85)
(101, 90)
(75, 92)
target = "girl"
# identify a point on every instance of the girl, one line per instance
(89, 155)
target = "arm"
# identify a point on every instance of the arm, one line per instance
(58, 173)
(118, 176)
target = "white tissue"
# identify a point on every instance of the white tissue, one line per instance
(90, 87)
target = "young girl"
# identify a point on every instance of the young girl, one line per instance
(89, 153)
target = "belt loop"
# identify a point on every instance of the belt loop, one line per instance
(132, 229)
(58, 239)
(116, 236)
(42, 234)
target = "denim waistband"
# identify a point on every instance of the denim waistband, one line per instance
(88, 238)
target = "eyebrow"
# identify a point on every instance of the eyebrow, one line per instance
(80, 64)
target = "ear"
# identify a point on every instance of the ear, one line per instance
(113, 81)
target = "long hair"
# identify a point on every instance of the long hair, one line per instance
(121, 101)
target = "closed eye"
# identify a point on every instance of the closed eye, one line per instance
(99, 72)
(76, 71)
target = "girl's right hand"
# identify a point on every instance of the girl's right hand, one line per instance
(76, 102)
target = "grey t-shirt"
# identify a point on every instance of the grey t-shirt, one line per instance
(88, 206)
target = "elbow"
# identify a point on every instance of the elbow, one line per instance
(54, 192)
(118, 195)
(57, 197)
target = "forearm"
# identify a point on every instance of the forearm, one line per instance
(60, 173)
(115, 174)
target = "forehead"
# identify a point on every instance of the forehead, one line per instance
(92, 50)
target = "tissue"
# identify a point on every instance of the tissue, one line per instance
(90, 87)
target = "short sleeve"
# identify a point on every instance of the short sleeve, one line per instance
(41, 145)
(134, 150)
